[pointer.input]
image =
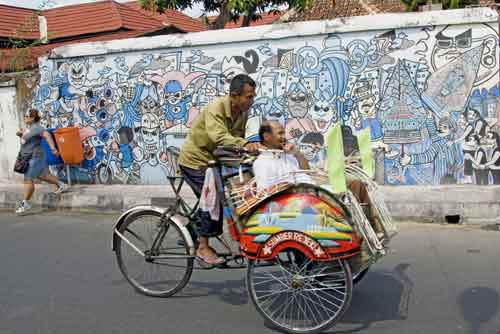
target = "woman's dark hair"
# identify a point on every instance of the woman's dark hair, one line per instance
(33, 113)
(238, 82)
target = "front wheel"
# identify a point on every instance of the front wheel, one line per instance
(150, 255)
(300, 295)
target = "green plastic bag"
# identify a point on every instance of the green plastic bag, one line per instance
(365, 151)
(335, 159)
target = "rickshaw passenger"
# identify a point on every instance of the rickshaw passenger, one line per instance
(267, 171)
(220, 123)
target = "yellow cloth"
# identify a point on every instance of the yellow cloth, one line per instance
(212, 127)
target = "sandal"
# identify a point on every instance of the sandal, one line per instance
(212, 260)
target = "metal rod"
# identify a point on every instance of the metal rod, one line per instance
(128, 242)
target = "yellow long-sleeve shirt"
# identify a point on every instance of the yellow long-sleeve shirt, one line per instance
(212, 127)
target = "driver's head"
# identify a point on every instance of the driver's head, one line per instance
(242, 91)
(272, 135)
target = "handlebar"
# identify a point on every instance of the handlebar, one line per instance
(235, 152)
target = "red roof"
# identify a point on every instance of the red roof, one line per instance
(96, 17)
(97, 21)
(172, 18)
(265, 18)
(31, 59)
(16, 22)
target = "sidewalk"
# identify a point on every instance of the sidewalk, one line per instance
(475, 204)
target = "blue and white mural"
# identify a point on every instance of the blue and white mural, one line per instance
(429, 96)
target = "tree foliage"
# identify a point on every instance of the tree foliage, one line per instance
(228, 10)
(412, 5)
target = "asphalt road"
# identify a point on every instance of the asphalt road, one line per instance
(59, 275)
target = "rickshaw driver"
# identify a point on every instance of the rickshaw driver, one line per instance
(267, 171)
(220, 123)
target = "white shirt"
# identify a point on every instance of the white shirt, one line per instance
(272, 167)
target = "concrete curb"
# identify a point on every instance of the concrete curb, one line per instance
(475, 204)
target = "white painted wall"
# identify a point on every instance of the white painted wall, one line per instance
(9, 142)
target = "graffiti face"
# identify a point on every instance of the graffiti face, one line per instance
(65, 120)
(88, 149)
(472, 115)
(452, 43)
(367, 107)
(310, 151)
(298, 103)
(444, 128)
(149, 106)
(323, 114)
(177, 101)
(77, 73)
(150, 131)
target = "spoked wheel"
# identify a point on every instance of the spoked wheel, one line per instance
(299, 295)
(158, 271)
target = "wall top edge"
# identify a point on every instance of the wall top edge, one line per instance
(280, 31)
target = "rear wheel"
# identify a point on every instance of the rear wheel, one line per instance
(150, 255)
(300, 295)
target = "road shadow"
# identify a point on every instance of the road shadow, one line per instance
(380, 296)
(478, 305)
(232, 292)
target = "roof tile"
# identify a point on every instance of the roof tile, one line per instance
(16, 22)
(172, 18)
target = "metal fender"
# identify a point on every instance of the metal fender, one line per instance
(159, 210)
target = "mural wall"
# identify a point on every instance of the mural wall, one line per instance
(429, 96)
(9, 123)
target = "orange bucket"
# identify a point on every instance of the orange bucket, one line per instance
(69, 144)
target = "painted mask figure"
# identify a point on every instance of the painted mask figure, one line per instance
(299, 100)
(150, 131)
(77, 74)
(149, 106)
(323, 112)
(311, 145)
(177, 102)
(452, 42)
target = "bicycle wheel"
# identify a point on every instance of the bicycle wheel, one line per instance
(299, 295)
(160, 271)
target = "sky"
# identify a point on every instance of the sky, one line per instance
(45, 4)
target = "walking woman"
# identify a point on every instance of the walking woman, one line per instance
(31, 143)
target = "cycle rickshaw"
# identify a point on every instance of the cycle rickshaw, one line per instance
(297, 240)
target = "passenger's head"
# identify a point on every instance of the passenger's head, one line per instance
(31, 116)
(242, 91)
(272, 135)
